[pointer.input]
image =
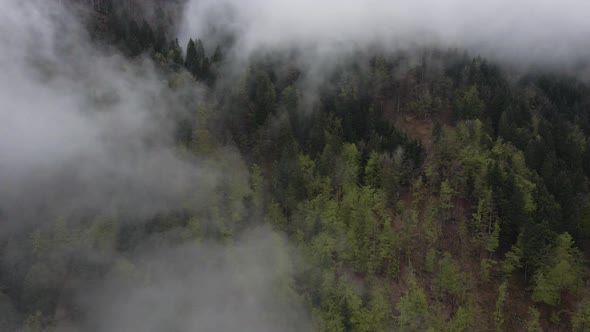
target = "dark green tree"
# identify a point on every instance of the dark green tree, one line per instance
(191, 60)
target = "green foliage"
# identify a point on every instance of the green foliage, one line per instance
(532, 323)
(196, 62)
(581, 317)
(500, 302)
(511, 261)
(385, 171)
(494, 239)
(372, 241)
(373, 171)
(262, 95)
(175, 54)
(34, 323)
(485, 224)
(275, 216)
(190, 61)
(350, 164)
(413, 308)
(426, 105)
(342, 309)
(380, 315)
(486, 266)
(432, 226)
(468, 104)
(451, 280)
(560, 273)
(326, 166)
(466, 319)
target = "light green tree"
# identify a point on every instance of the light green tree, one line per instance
(379, 309)
(499, 311)
(560, 273)
(413, 308)
(350, 157)
(465, 319)
(469, 105)
(373, 170)
(451, 280)
(532, 323)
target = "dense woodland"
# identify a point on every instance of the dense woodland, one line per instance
(425, 190)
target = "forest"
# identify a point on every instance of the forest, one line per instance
(427, 189)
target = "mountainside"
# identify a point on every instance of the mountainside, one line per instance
(157, 184)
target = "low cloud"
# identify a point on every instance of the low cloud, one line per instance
(524, 33)
(84, 129)
(240, 286)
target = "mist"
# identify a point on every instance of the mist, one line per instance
(525, 33)
(85, 131)
(240, 286)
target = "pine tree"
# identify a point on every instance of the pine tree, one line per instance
(200, 50)
(561, 272)
(190, 62)
(202, 71)
(196, 62)
(499, 312)
(413, 308)
(160, 41)
(175, 53)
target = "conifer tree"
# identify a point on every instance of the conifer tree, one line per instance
(190, 62)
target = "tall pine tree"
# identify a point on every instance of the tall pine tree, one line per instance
(191, 60)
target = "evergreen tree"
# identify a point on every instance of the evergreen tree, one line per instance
(175, 54)
(191, 60)
(560, 273)
(413, 308)
(500, 304)
(160, 42)
(202, 71)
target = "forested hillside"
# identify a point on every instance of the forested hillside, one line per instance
(396, 190)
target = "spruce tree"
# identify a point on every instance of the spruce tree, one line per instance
(190, 62)
(160, 40)
(175, 53)
(202, 71)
